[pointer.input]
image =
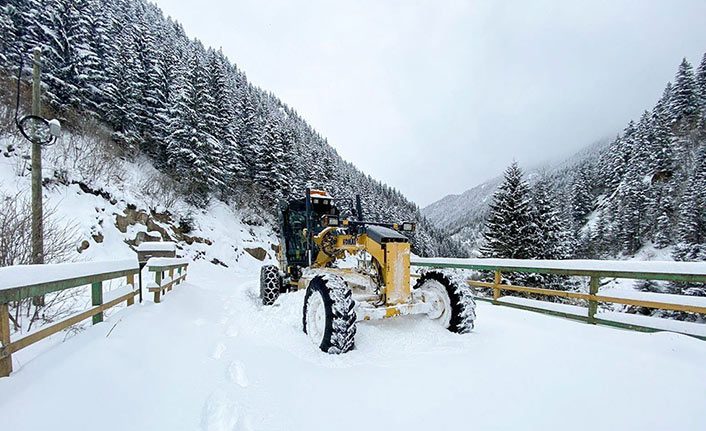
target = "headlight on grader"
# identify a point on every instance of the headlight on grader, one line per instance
(408, 226)
(331, 221)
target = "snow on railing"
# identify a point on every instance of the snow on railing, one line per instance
(692, 272)
(163, 283)
(29, 281)
(157, 246)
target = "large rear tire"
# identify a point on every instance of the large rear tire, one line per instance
(270, 284)
(328, 318)
(455, 308)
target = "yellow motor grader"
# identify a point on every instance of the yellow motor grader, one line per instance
(317, 233)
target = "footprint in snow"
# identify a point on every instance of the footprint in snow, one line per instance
(237, 374)
(220, 413)
(218, 351)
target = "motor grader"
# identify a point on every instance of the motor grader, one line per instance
(318, 233)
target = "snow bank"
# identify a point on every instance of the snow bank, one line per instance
(544, 305)
(698, 301)
(29, 275)
(157, 246)
(613, 266)
(654, 322)
(117, 293)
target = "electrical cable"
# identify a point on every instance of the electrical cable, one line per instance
(19, 78)
(29, 118)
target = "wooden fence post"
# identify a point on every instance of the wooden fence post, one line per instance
(97, 299)
(496, 291)
(5, 361)
(131, 281)
(158, 281)
(592, 303)
(179, 271)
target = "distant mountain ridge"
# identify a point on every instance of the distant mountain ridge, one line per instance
(454, 213)
(646, 188)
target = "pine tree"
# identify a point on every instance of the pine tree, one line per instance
(63, 34)
(581, 197)
(661, 152)
(692, 218)
(96, 58)
(631, 202)
(684, 103)
(549, 228)
(620, 154)
(509, 226)
(701, 85)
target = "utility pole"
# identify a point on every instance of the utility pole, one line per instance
(37, 228)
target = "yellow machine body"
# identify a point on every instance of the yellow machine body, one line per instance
(390, 258)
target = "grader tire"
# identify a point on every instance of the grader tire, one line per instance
(270, 284)
(462, 305)
(328, 316)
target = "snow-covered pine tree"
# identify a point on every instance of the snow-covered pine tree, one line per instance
(19, 25)
(550, 234)
(684, 103)
(549, 229)
(619, 156)
(63, 35)
(701, 85)
(661, 168)
(691, 229)
(509, 228)
(97, 57)
(187, 148)
(631, 209)
(582, 199)
(121, 92)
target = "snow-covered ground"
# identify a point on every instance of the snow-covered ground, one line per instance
(210, 357)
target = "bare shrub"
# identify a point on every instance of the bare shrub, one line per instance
(89, 154)
(60, 239)
(161, 191)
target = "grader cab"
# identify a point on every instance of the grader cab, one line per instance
(318, 233)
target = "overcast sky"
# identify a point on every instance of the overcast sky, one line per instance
(435, 97)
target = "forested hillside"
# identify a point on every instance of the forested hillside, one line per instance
(187, 106)
(646, 188)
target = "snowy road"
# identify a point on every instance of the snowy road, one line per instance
(209, 357)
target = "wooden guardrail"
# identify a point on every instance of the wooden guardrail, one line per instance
(595, 270)
(163, 282)
(27, 281)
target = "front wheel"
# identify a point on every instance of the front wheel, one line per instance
(328, 317)
(270, 284)
(451, 298)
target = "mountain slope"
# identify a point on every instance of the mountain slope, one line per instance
(122, 64)
(464, 215)
(645, 188)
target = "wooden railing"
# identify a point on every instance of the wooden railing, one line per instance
(161, 266)
(28, 281)
(694, 272)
